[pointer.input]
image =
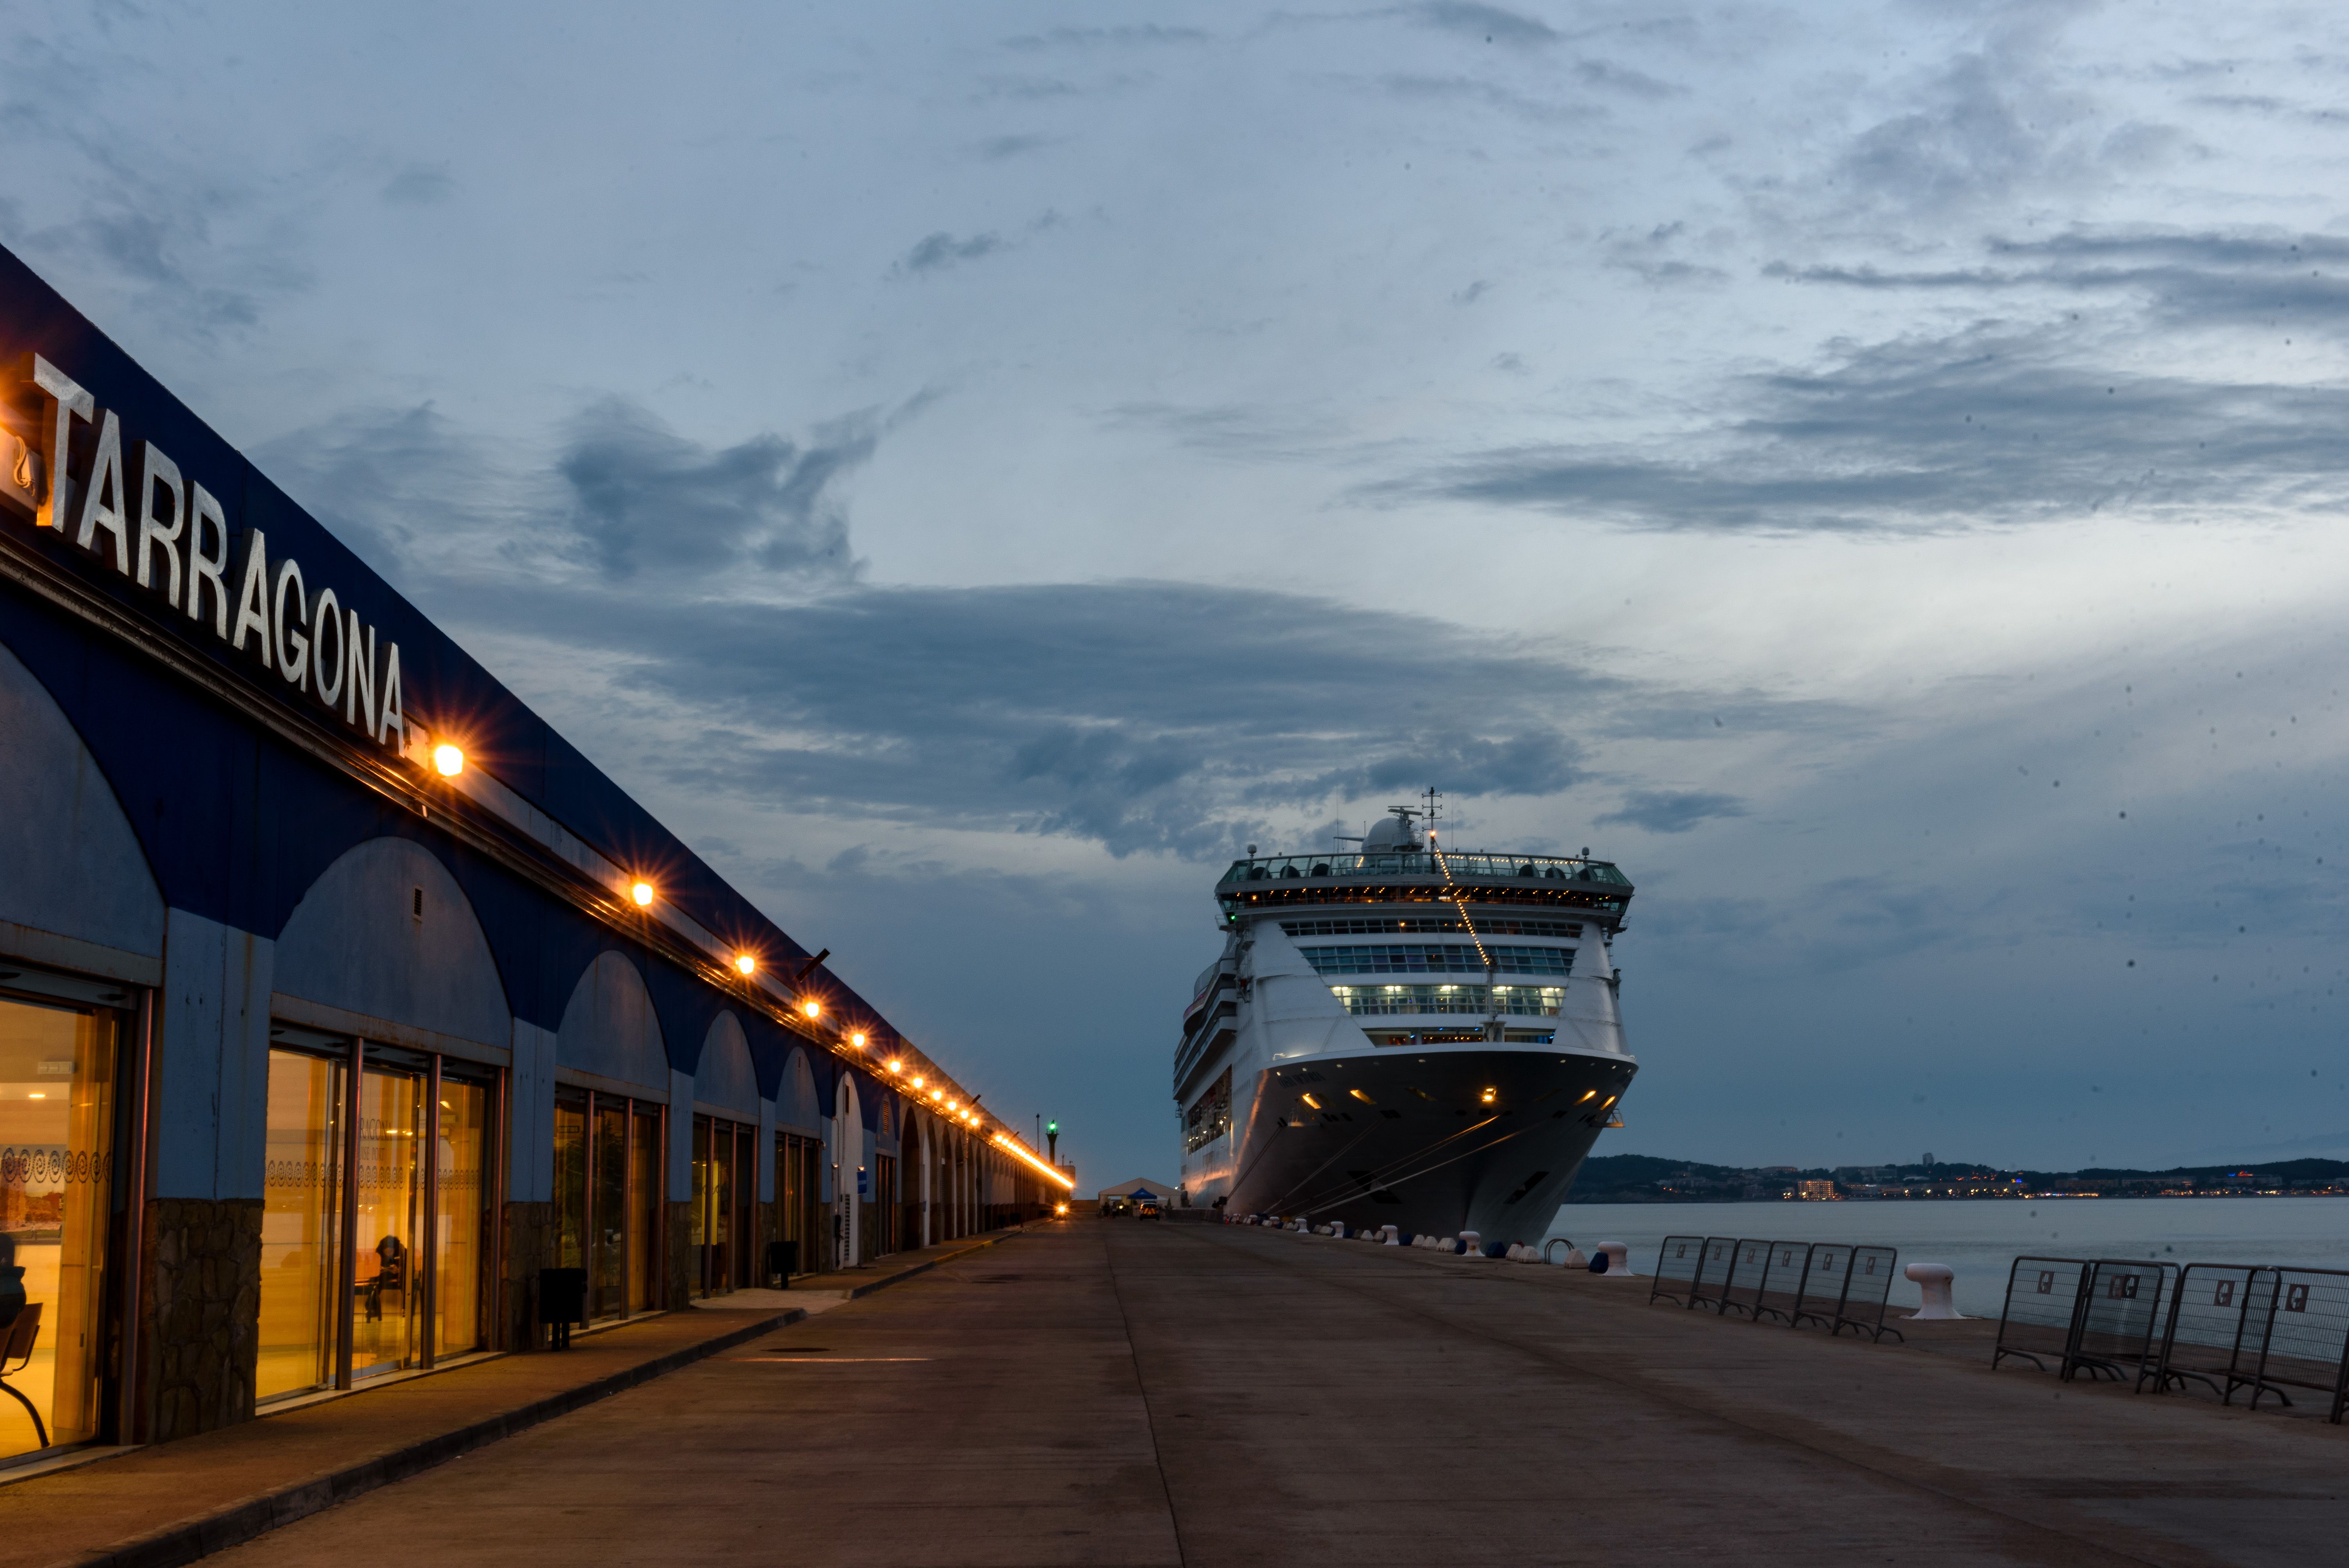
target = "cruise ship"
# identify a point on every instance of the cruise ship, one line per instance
(1406, 1034)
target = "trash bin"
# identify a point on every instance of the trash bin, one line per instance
(562, 1302)
(782, 1261)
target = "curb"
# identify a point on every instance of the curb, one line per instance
(923, 1268)
(255, 1516)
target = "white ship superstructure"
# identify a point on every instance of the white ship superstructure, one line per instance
(1407, 1035)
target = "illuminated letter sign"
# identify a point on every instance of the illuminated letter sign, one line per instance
(171, 536)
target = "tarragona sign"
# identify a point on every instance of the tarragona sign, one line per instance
(170, 535)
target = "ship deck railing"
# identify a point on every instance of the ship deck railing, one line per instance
(1469, 865)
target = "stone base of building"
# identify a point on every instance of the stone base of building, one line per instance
(201, 1322)
(529, 1246)
(684, 1275)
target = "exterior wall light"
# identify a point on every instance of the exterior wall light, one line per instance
(643, 893)
(746, 965)
(857, 1039)
(448, 759)
(919, 1081)
(813, 1009)
(900, 1066)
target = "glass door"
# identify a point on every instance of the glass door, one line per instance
(386, 1295)
(460, 1218)
(610, 1208)
(644, 1207)
(56, 1170)
(301, 1224)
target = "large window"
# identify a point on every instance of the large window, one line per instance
(799, 1192)
(608, 1196)
(376, 1224)
(1436, 958)
(1528, 1001)
(724, 1183)
(57, 1064)
(1210, 1116)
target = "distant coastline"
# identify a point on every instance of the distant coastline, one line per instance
(1649, 1179)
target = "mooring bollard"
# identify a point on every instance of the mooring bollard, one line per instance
(1471, 1244)
(1619, 1258)
(1393, 1236)
(1934, 1282)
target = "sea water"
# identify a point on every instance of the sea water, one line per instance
(1980, 1238)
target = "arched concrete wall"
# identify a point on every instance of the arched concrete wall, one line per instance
(355, 943)
(797, 1104)
(74, 867)
(609, 1027)
(727, 1079)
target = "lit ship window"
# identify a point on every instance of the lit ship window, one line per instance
(1518, 1000)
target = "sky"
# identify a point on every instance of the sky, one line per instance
(1870, 470)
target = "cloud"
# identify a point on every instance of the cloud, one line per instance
(645, 501)
(1143, 34)
(995, 148)
(1990, 428)
(371, 474)
(1144, 716)
(419, 185)
(1487, 94)
(1490, 23)
(937, 252)
(1673, 810)
(1624, 79)
(2271, 280)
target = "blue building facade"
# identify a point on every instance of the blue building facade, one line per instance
(339, 994)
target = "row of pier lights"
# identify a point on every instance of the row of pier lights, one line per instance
(1935, 1282)
(927, 1085)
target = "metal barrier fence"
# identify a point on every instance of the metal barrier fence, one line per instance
(1748, 1267)
(1676, 1270)
(1830, 1283)
(1782, 1281)
(1867, 1287)
(2042, 1305)
(2209, 1311)
(2120, 1318)
(1821, 1298)
(2305, 1344)
(1712, 1273)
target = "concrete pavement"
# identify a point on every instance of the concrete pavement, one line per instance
(1110, 1392)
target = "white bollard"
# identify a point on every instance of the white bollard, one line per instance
(1619, 1258)
(1933, 1280)
(1393, 1236)
(1574, 1259)
(1471, 1244)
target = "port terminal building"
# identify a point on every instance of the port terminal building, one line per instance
(340, 996)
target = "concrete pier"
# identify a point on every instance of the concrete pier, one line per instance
(1121, 1392)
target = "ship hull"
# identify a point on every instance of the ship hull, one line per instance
(1434, 1143)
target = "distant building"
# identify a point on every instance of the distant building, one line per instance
(1819, 1192)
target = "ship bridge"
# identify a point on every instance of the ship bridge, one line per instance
(1415, 874)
